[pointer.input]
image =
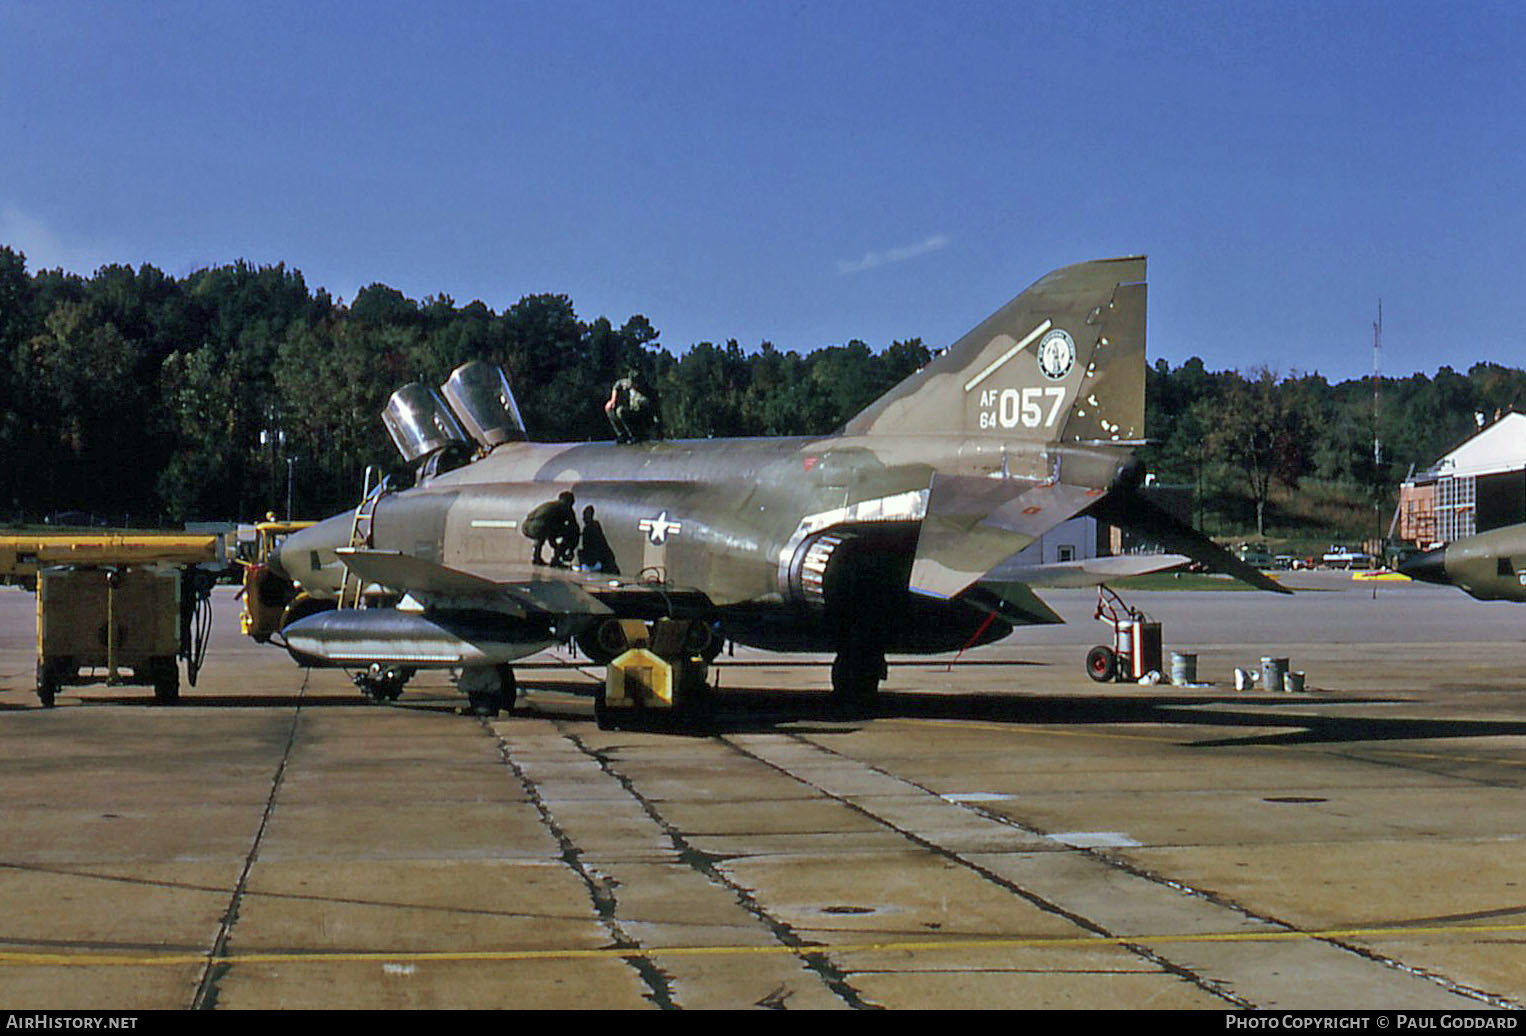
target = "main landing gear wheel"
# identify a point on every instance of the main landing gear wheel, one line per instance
(604, 643)
(489, 691)
(856, 677)
(1102, 664)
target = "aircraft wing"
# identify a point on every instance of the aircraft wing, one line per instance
(973, 524)
(542, 590)
(1091, 571)
(468, 618)
(1132, 511)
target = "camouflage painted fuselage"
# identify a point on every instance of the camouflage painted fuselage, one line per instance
(877, 538)
(739, 523)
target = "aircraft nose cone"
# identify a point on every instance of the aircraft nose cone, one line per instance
(1429, 567)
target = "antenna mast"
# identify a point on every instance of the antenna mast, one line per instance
(1377, 375)
(1377, 439)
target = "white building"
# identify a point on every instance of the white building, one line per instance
(1479, 486)
(1075, 540)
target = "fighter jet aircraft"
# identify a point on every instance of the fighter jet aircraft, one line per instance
(868, 541)
(1490, 566)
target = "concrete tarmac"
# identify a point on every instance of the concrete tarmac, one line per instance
(1002, 833)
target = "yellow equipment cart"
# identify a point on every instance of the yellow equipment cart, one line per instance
(125, 603)
(123, 620)
(266, 595)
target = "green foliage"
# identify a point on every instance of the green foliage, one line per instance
(140, 396)
(1293, 455)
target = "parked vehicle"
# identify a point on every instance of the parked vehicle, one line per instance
(1346, 557)
(1255, 554)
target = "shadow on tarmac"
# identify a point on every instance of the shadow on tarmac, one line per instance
(1213, 711)
(784, 711)
(221, 701)
(787, 710)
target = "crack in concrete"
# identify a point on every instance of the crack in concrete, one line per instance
(216, 966)
(601, 889)
(1207, 984)
(291, 897)
(706, 865)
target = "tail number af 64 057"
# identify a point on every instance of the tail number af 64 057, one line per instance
(1032, 407)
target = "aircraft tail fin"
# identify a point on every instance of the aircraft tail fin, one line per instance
(1062, 362)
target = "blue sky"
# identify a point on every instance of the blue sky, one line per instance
(806, 172)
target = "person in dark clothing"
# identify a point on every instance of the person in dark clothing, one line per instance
(634, 409)
(554, 522)
(596, 555)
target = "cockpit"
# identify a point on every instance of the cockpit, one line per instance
(438, 431)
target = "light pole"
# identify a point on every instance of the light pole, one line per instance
(290, 461)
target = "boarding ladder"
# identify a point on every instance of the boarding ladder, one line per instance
(352, 586)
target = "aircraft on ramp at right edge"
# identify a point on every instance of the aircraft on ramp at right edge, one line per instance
(875, 539)
(1490, 566)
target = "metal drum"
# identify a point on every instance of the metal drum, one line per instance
(1274, 673)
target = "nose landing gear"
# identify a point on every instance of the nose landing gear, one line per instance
(382, 684)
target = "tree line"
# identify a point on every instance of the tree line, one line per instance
(1243, 436)
(150, 399)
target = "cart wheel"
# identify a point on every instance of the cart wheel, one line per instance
(48, 683)
(1101, 664)
(166, 676)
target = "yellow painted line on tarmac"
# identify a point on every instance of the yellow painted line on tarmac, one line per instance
(1437, 756)
(108, 960)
